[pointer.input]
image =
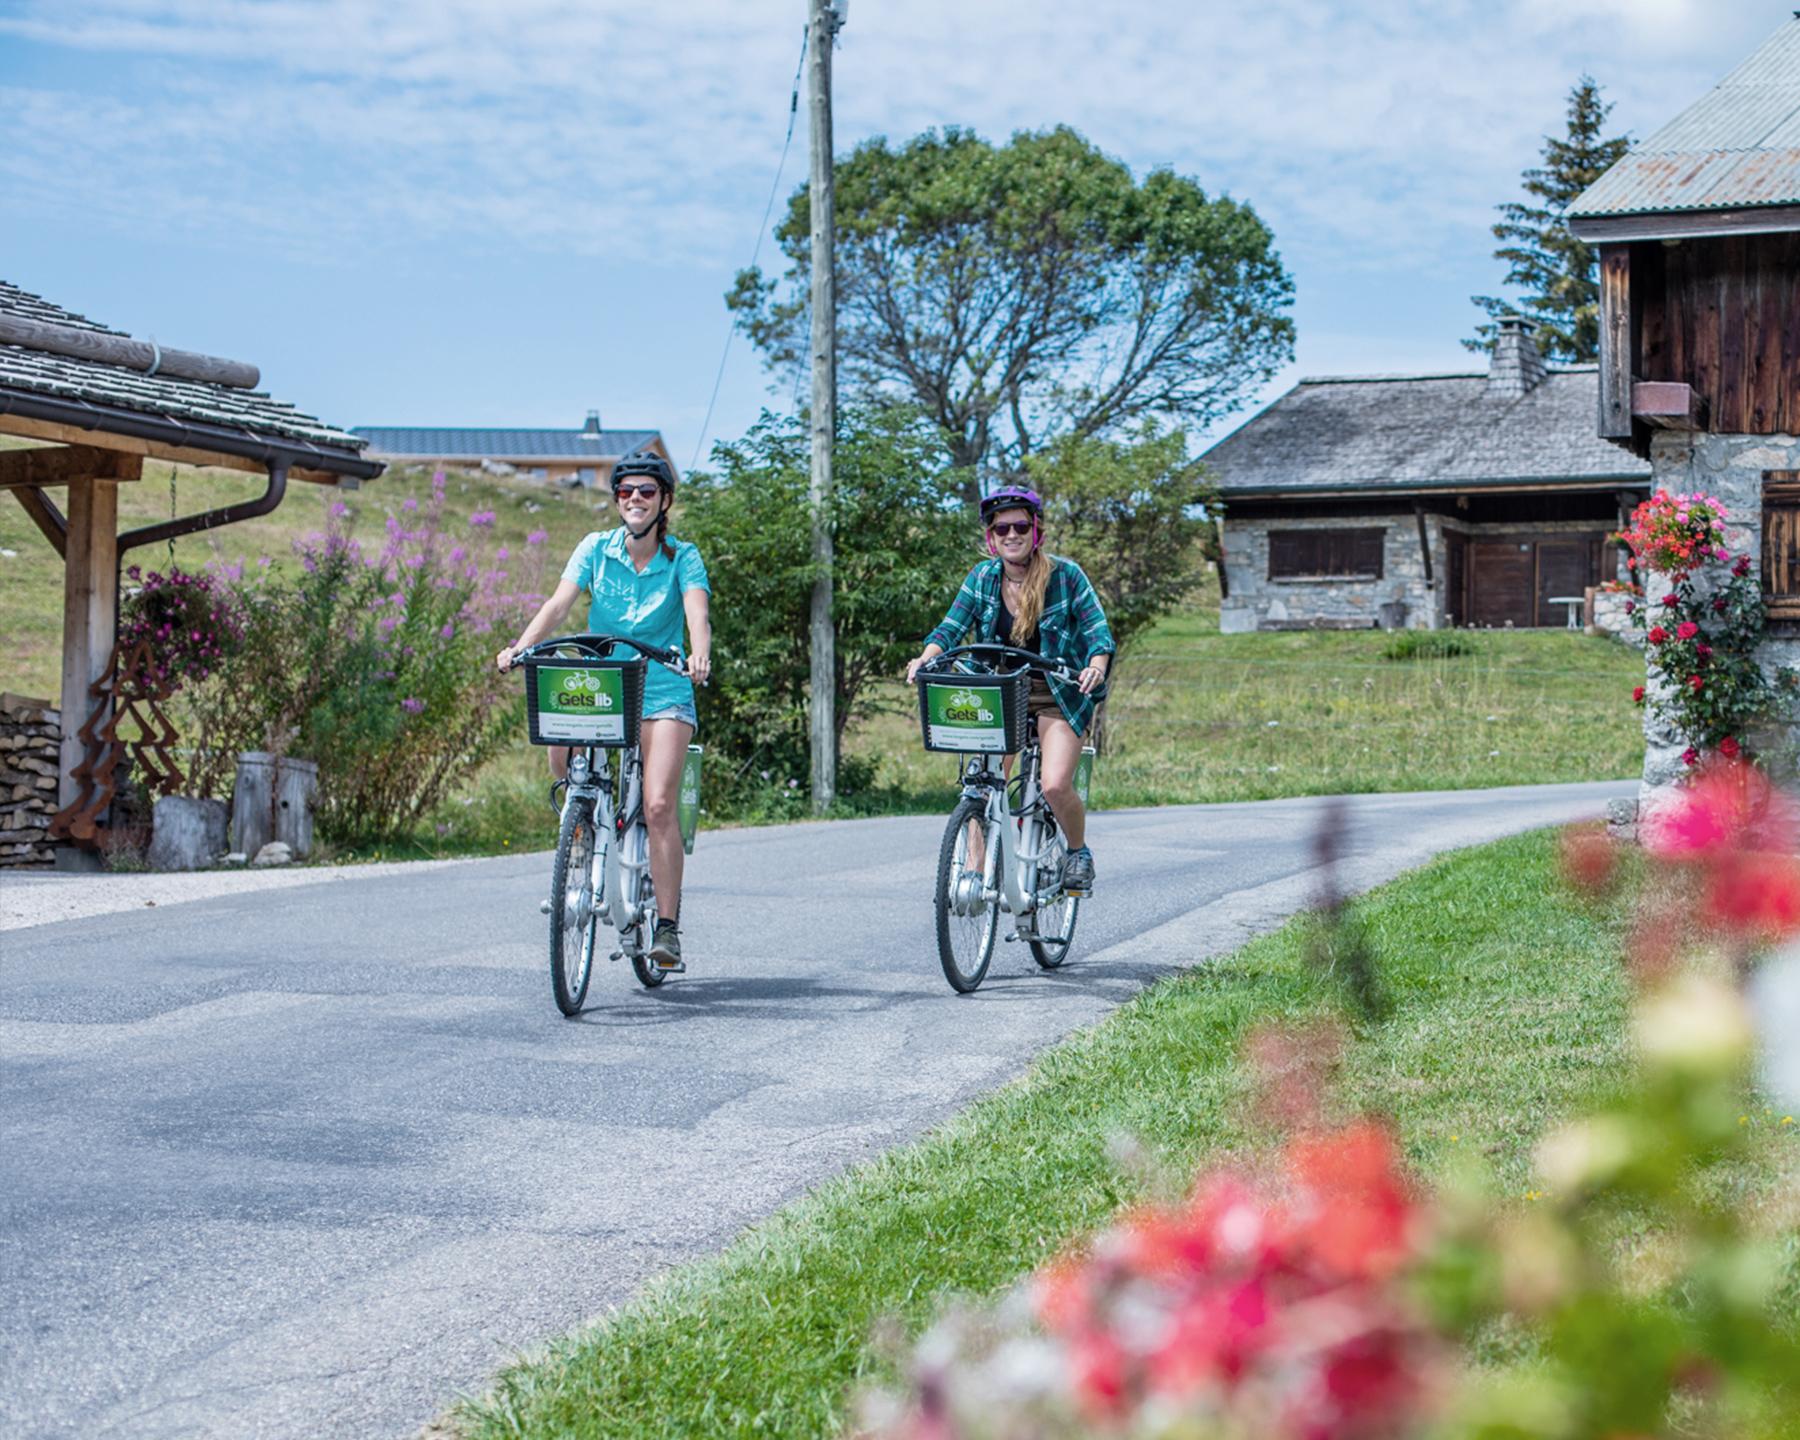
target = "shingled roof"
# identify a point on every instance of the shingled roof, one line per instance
(90, 394)
(1400, 433)
(1737, 148)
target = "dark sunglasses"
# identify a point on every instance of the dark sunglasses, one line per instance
(1003, 528)
(646, 490)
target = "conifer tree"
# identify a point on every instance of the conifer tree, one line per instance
(1555, 272)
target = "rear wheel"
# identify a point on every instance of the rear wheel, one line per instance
(966, 921)
(635, 846)
(1055, 922)
(572, 917)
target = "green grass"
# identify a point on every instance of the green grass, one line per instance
(1196, 715)
(31, 579)
(1200, 716)
(1509, 1003)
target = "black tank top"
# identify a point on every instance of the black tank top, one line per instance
(1004, 628)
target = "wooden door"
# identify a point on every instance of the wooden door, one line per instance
(1564, 567)
(1502, 582)
(1456, 577)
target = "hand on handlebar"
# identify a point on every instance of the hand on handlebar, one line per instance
(504, 660)
(1091, 678)
(912, 667)
(699, 667)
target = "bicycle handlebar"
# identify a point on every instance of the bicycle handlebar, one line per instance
(1028, 659)
(596, 646)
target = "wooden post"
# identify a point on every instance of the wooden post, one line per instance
(1618, 341)
(823, 688)
(90, 611)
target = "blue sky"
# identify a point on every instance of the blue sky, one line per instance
(468, 212)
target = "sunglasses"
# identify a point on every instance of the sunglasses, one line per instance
(1004, 528)
(646, 490)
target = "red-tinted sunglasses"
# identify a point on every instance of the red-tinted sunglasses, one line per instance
(1003, 528)
(646, 490)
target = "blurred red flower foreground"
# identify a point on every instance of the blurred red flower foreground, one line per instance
(1740, 834)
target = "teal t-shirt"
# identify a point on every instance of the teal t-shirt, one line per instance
(643, 606)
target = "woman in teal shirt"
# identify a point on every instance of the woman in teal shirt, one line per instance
(644, 586)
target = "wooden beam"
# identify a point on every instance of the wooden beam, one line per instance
(141, 355)
(127, 444)
(1668, 404)
(1618, 337)
(1686, 224)
(58, 465)
(47, 517)
(90, 611)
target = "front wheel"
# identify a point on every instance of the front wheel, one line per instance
(572, 917)
(966, 920)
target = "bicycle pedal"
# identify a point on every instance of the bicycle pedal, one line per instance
(616, 955)
(1077, 894)
(676, 969)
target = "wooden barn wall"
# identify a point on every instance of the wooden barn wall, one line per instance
(1723, 315)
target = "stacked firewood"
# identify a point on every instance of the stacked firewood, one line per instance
(30, 743)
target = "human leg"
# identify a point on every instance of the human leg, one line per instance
(663, 744)
(1059, 754)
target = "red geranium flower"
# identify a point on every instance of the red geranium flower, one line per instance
(1686, 630)
(1637, 694)
(1658, 635)
(1671, 599)
(1728, 748)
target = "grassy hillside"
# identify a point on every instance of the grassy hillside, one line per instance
(31, 577)
(1195, 715)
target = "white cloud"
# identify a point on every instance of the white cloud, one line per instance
(1386, 131)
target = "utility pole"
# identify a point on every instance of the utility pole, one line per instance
(823, 25)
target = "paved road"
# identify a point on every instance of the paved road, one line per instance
(311, 1161)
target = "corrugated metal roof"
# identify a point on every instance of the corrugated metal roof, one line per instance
(120, 387)
(1364, 433)
(439, 442)
(1737, 146)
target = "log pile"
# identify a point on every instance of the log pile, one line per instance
(30, 746)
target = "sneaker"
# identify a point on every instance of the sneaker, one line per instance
(665, 947)
(1078, 872)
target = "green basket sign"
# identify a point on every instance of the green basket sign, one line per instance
(687, 809)
(965, 717)
(581, 706)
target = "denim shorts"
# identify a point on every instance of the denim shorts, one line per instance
(683, 711)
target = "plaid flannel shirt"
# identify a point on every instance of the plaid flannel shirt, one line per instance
(1072, 628)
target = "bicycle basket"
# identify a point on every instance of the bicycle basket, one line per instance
(966, 714)
(581, 701)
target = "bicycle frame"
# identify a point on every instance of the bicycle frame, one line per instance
(1014, 852)
(616, 881)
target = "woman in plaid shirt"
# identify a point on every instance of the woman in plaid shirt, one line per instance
(1026, 597)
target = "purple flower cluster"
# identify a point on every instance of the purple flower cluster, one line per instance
(192, 622)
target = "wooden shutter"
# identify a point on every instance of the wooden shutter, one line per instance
(1781, 544)
(1326, 554)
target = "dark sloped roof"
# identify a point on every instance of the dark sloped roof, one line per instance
(436, 442)
(1737, 146)
(1399, 432)
(97, 387)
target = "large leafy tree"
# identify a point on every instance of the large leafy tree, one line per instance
(1554, 271)
(896, 495)
(1031, 291)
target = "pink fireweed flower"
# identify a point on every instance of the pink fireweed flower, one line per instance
(412, 705)
(409, 503)
(338, 510)
(481, 519)
(448, 632)
(537, 537)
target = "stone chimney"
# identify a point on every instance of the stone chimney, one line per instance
(593, 422)
(1515, 368)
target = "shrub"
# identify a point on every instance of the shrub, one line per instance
(904, 542)
(1426, 645)
(375, 665)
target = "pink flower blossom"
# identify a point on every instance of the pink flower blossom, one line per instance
(412, 705)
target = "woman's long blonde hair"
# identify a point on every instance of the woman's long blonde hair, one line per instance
(1031, 595)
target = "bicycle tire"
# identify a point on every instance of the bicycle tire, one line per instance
(951, 927)
(1050, 954)
(648, 975)
(572, 944)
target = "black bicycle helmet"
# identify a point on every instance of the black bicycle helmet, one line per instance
(646, 464)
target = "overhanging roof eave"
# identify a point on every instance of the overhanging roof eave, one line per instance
(260, 446)
(1341, 490)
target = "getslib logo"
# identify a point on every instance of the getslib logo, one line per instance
(581, 690)
(965, 708)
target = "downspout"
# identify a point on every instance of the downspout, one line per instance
(208, 519)
(1424, 543)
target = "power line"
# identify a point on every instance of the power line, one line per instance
(756, 251)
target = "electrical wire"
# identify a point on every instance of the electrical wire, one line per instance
(756, 251)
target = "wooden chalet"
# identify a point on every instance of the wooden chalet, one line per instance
(1698, 230)
(92, 403)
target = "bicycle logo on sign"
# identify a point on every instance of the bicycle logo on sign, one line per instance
(585, 689)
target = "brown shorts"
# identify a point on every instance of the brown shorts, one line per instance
(1040, 701)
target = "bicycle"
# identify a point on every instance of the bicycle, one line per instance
(593, 703)
(967, 704)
